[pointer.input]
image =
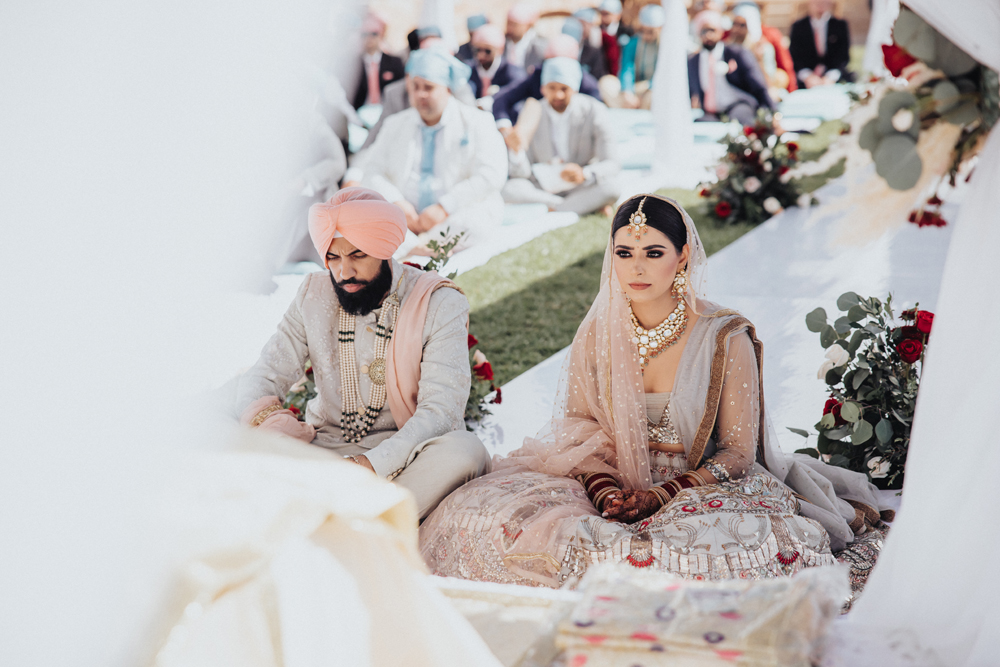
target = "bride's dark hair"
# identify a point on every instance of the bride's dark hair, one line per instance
(660, 215)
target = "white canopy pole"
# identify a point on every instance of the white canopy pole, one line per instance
(441, 13)
(672, 102)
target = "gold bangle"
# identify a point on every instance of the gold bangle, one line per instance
(698, 475)
(264, 414)
(661, 494)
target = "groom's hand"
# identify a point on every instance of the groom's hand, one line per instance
(363, 462)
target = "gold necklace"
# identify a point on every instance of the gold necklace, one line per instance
(652, 342)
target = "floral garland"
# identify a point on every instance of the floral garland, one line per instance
(755, 179)
(873, 370)
(942, 84)
(304, 390)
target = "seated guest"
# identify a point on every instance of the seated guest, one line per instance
(525, 48)
(396, 98)
(632, 88)
(490, 70)
(473, 23)
(725, 80)
(582, 27)
(612, 26)
(573, 140)
(748, 32)
(377, 69)
(389, 356)
(507, 103)
(441, 161)
(821, 47)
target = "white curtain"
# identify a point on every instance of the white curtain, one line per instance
(933, 596)
(671, 101)
(884, 13)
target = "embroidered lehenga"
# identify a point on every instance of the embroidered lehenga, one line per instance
(531, 521)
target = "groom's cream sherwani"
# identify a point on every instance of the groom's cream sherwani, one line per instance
(433, 450)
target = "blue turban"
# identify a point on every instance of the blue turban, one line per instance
(566, 71)
(652, 16)
(476, 21)
(611, 6)
(587, 14)
(573, 28)
(437, 65)
(428, 31)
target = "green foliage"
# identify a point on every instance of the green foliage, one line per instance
(866, 423)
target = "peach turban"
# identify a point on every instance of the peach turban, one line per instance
(523, 12)
(562, 46)
(361, 216)
(489, 35)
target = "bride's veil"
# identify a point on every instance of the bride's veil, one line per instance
(599, 420)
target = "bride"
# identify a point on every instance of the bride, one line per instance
(659, 454)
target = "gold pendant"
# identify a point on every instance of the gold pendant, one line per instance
(637, 222)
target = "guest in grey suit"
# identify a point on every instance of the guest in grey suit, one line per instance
(573, 132)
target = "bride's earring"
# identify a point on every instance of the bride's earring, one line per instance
(680, 285)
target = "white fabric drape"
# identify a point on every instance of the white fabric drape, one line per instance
(933, 593)
(441, 13)
(884, 13)
(671, 103)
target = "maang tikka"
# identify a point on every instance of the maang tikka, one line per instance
(637, 222)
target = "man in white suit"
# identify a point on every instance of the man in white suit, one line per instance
(570, 163)
(442, 162)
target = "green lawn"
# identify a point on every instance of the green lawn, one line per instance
(528, 302)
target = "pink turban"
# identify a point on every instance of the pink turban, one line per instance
(522, 12)
(373, 23)
(562, 46)
(361, 216)
(489, 35)
(706, 18)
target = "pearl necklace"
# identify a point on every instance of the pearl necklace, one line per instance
(355, 422)
(653, 341)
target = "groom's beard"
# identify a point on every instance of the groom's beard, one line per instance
(368, 298)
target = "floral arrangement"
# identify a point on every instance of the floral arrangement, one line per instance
(304, 390)
(873, 370)
(943, 83)
(755, 179)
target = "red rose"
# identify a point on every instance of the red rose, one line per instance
(295, 410)
(472, 341)
(935, 201)
(748, 130)
(896, 58)
(909, 315)
(498, 398)
(909, 350)
(925, 320)
(793, 147)
(911, 333)
(783, 170)
(833, 407)
(723, 209)
(484, 371)
(913, 216)
(704, 192)
(414, 265)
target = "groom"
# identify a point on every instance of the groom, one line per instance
(389, 351)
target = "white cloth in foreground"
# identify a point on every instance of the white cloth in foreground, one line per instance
(934, 601)
(470, 165)
(302, 563)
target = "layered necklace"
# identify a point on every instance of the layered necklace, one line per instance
(651, 342)
(355, 421)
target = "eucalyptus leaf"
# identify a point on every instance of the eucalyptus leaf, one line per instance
(915, 35)
(950, 58)
(946, 96)
(816, 320)
(798, 431)
(828, 336)
(808, 452)
(863, 363)
(897, 161)
(873, 328)
(847, 300)
(883, 430)
(857, 313)
(856, 339)
(838, 433)
(851, 411)
(963, 115)
(884, 447)
(833, 377)
(862, 433)
(891, 104)
(827, 421)
(842, 325)
(860, 377)
(822, 444)
(839, 460)
(870, 136)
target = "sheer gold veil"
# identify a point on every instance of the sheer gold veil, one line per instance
(599, 420)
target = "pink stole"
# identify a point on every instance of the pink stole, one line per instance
(406, 348)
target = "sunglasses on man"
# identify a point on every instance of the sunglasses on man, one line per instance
(484, 51)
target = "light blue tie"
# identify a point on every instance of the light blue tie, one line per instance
(427, 197)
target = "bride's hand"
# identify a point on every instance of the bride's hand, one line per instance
(637, 506)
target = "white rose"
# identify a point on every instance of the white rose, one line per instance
(752, 184)
(878, 467)
(757, 146)
(722, 170)
(768, 167)
(837, 355)
(772, 205)
(765, 154)
(902, 120)
(785, 177)
(804, 201)
(824, 369)
(772, 140)
(478, 358)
